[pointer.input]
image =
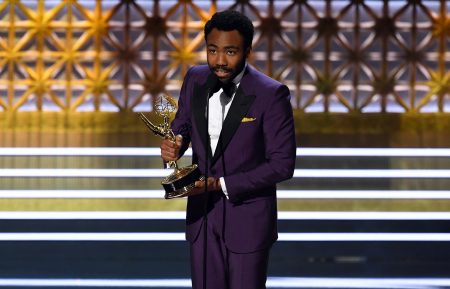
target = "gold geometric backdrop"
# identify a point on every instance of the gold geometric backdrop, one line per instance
(336, 56)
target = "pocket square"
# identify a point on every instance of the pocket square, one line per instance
(248, 119)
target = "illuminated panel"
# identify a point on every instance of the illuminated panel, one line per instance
(335, 56)
(154, 151)
(181, 215)
(272, 282)
(282, 237)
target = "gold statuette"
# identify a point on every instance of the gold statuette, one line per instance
(181, 182)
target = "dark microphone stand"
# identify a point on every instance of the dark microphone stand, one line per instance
(213, 85)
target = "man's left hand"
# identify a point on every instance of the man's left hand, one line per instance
(213, 185)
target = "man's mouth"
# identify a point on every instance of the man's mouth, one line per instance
(221, 73)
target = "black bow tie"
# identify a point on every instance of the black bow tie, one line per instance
(229, 88)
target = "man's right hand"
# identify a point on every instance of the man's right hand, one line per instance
(170, 150)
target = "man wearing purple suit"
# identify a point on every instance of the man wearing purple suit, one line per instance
(245, 146)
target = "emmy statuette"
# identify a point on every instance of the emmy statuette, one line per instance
(180, 182)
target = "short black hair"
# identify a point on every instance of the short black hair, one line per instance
(229, 20)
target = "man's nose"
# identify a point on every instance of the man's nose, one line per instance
(222, 60)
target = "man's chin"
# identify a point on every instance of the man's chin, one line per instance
(224, 79)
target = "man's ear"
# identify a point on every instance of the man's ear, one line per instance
(247, 52)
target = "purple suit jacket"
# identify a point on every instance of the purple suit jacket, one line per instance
(256, 150)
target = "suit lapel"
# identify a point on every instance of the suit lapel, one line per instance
(199, 112)
(238, 110)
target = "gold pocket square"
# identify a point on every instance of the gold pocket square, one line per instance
(248, 119)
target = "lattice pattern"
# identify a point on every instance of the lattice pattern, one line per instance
(336, 56)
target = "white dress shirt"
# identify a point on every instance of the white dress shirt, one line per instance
(219, 104)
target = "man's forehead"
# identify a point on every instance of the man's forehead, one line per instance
(232, 36)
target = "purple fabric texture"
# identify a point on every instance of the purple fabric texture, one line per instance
(256, 150)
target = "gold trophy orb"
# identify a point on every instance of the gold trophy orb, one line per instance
(181, 182)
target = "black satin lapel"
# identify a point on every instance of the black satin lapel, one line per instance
(238, 110)
(199, 112)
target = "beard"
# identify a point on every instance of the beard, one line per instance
(233, 72)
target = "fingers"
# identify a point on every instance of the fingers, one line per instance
(199, 184)
(213, 185)
(179, 140)
(170, 150)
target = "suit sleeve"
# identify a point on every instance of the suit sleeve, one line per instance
(181, 125)
(280, 151)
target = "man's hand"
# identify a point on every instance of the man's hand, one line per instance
(213, 185)
(170, 150)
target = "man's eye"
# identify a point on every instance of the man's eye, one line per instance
(231, 52)
(212, 51)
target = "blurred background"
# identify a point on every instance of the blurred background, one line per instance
(80, 197)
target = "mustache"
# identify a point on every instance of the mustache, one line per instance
(221, 68)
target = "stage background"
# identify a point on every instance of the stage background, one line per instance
(80, 197)
(361, 73)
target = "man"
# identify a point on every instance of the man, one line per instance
(248, 147)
